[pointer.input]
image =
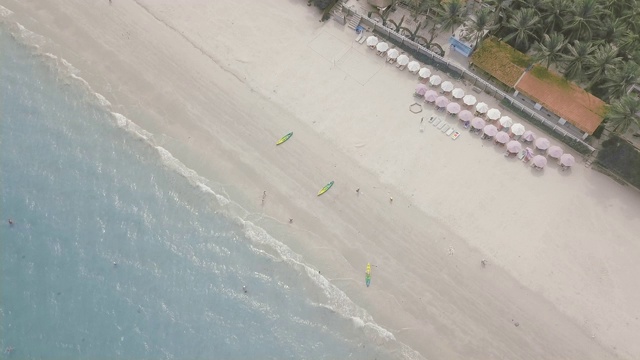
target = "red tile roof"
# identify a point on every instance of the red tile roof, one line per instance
(566, 100)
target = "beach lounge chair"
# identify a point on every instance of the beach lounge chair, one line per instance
(449, 132)
(359, 37)
(442, 123)
(446, 128)
(436, 122)
(455, 135)
(362, 39)
(431, 119)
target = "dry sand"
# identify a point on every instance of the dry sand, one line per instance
(216, 82)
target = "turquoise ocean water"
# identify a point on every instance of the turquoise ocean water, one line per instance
(115, 254)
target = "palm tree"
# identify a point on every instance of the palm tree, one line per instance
(620, 79)
(553, 14)
(629, 12)
(623, 113)
(500, 9)
(575, 60)
(610, 30)
(550, 49)
(605, 57)
(483, 21)
(450, 15)
(418, 6)
(524, 24)
(629, 41)
(583, 18)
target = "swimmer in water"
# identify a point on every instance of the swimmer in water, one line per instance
(10, 222)
(244, 288)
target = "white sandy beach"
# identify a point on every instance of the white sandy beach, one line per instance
(218, 82)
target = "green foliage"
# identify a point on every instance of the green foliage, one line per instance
(484, 20)
(575, 59)
(623, 113)
(523, 26)
(621, 158)
(501, 61)
(549, 50)
(598, 133)
(450, 15)
(549, 77)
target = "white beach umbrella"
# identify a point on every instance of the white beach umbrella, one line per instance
(382, 46)
(372, 41)
(413, 66)
(469, 100)
(506, 121)
(403, 60)
(493, 114)
(482, 107)
(457, 93)
(424, 73)
(393, 53)
(446, 86)
(517, 129)
(435, 80)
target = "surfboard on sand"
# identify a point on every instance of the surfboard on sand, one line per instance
(325, 188)
(368, 275)
(284, 138)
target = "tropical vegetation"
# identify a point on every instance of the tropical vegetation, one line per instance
(595, 43)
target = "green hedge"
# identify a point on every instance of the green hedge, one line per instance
(621, 158)
(572, 143)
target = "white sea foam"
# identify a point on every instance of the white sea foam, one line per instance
(4, 12)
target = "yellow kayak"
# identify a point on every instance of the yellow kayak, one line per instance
(325, 188)
(284, 138)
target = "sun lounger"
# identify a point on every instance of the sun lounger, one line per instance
(359, 37)
(449, 132)
(442, 124)
(362, 39)
(431, 119)
(455, 135)
(445, 128)
(436, 122)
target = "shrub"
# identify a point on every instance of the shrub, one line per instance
(622, 159)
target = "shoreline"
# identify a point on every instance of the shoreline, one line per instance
(411, 262)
